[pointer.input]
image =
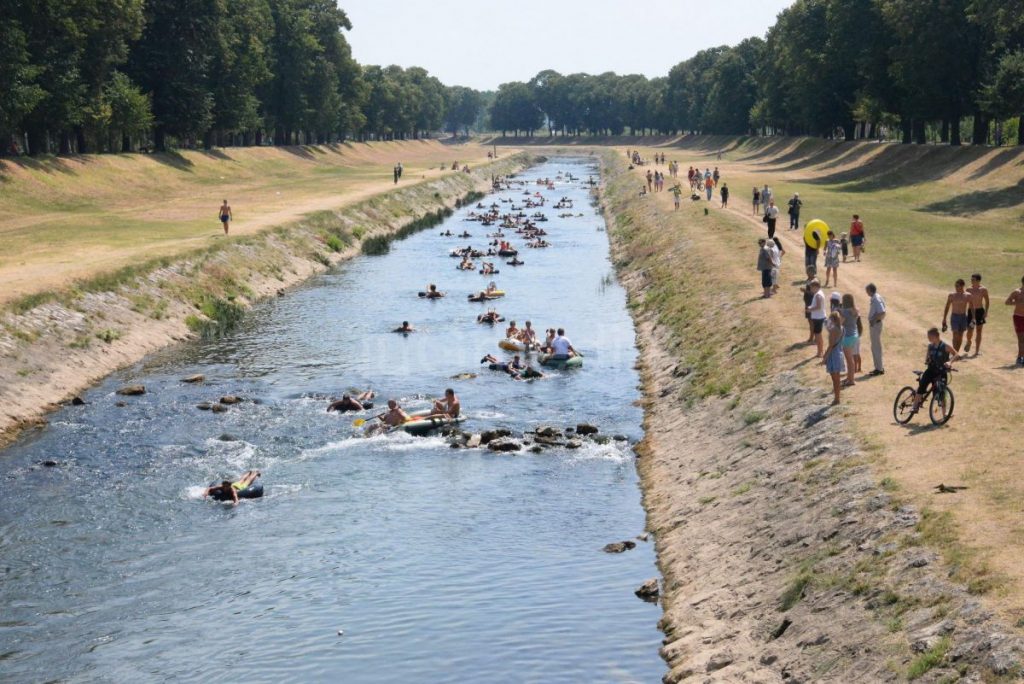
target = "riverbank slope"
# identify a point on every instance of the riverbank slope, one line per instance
(55, 345)
(785, 553)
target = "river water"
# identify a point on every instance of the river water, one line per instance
(438, 565)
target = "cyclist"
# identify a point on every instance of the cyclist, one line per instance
(938, 358)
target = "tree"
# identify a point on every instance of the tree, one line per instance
(464, 106)
(514, 109)
(19, 92)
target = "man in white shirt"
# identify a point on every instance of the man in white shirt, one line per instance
(772, 214)
(876, 315)
(818, 314)
(776, 258)
(561, 347)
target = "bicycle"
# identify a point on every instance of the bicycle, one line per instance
(940, 408)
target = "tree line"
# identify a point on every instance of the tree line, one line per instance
(916, 70)
(117, 75)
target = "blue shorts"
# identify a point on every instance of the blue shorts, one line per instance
(834, 363)
(959, 322)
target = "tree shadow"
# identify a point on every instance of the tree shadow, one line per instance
(216, 153)
(998, 160)
(43, 164)
(304, 151)
(979, 201)
(902, 165)
(175, 160)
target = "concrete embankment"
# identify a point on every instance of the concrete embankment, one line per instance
(785, 556)
(52, 350)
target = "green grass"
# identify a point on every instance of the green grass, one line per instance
(754, 417)
(929, 659)
(794, 591)
(109, 335)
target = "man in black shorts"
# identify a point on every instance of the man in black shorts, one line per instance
(976, 313)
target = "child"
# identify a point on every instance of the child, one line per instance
(832, 248)
(844, 243)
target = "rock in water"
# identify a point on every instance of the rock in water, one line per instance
(504, 444)
(491, 435)
(204, 406)
(464, 376)
(77, 401)
(230, 399)
(573, 444)
(649, 590)
(132, 390)
(619, 547)
(548, 432)
(192, 379)
(219, 408)
(473, 442)
(586, 429)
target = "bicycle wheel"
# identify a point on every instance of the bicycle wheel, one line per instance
(903, 407)
(940, 410)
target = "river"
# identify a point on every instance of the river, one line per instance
(434, 564)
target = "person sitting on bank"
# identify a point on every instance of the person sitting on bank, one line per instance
(447, 407)
(228, 490)
(561, 347)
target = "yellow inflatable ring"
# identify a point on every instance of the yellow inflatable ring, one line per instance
(816, 234)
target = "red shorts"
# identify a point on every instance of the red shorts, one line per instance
(1018, 323)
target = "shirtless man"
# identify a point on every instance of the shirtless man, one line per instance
(448, 406)
(528, 335)
(511, 332)
(348, 403)
(395, 415)
(405, 328)
(979, 308)
(1016, 300)
(225, 215)
(959, 302)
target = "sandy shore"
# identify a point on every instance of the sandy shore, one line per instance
(785, 556)
(59, 348)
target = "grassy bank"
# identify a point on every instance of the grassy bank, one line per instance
(56, 342)
(71, 218)
(785, 547)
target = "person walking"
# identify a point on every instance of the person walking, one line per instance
(857, 236)
(709, 187)
(757, 201)
(724, 193)
(794, 211)
(1016, 300)
(225, 215)
(771, 216)
(876, 316)
(832, 249)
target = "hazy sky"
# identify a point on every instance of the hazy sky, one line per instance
(482, 44)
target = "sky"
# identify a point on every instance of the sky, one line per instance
(483, 44)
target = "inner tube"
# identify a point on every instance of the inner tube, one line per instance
(489, 272)
(507, 252)
(419, 424)
(253, 491)
(816, 234)
(572, 362)
(512, 345)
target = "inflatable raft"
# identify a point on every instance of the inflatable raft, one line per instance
(572, 362)
(420, 424)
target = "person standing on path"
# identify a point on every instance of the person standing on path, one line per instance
(833, 357)
(818, 315)
(851, 338)
(400, 169)
(775, 253)
(832, 248)
(394, 172)
(709, 187)
(958, 302)
(677, 193)
(771, 216)
(794, 211)
(876, 315)
(857, 236)
(766, 195)
(724, 193)
(225, 215)
(976, 314)
(764, 265)
(1016, 300)
(757, 201)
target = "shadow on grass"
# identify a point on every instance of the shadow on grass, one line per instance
(999, 160)
(978, 201)
(175, 160)
(45, 164)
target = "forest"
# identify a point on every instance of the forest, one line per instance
(82, 76)
(913, 70)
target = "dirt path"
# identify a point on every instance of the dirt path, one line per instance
(979, 448)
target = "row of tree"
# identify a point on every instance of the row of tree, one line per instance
(918, 69)
(109, 75)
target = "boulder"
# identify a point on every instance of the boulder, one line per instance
(204, 406)
(548, 432)
(218, 408)
(586, 429)
(192, 379)
(225, 437)
(548, 441)
(601, 439)
(229, 399)
(77, 401)
(49, 463)
(620, 438)
(573, 444)
(619, 547)
(473, 442)
(649, 590)
(536, 449)
(120, 404)
(131, 390)
(490, 435)
(504, 444)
